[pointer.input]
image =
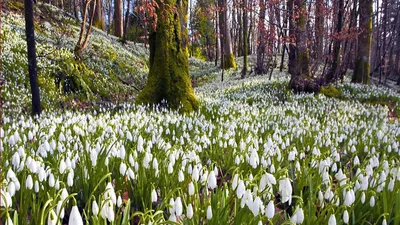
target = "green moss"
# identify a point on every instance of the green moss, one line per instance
(169, 68)
(331, 91)
(15, 5)
(229, 61)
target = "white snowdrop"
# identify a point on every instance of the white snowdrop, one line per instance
(285, 188)
(29, 182)
(75, 217)
(209, 213)
(345, 217)
(189, 211)
(212, 180)
(191, 188)
(270, 212)
(178, 207)
(332, 220)
(153, 196)
(95, 208)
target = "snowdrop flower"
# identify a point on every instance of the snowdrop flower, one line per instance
(52, 218)
(209, 213)
(110, 193)
(384, 222)
(298, 216)
(191, 188)
(346, 217)
(349, 198)
(172, 218)
(51, 180)
(235, 181)
(181, 177)
(195, 174)
(64, 194)
(70, 178)
(36, 188)
(60, 211)
(372, 201)
(119, 201)
(212, 180)
(95, 208)
(332, 220)
(189, 211)
(270, 212)
(29, 182)
(362, 197)
(9, 221)
(122, 168)
(285, 188)
(178, 207)
(62, 167)
(240, 189)
(154, 196)
(171, 206)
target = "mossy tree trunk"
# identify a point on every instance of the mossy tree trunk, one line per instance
(301, 80)
(99, 17)
(169, 67)
(362, 66)
(226, 40)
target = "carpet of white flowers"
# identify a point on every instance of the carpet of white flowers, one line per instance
(254, 153)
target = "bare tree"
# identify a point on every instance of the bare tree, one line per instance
(32, 64)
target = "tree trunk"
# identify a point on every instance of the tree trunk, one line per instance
(362, 67)
(292, 49)
(32, 64)
(118, 29)
(99, 20)
(76, 9)
(319, 29)
(126, 24)
(301, 80)
(245, 43)
(333, 72)
(82, 43)
(261, 39)
(216, 36)
(226, 42)
(169, 67)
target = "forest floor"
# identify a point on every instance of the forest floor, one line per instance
(254, 153)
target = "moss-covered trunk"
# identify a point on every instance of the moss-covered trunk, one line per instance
(226, 40)
(169, 67)
(99, 18)
(245, 43)
(301, 80)
(319, 29)
(362, 66)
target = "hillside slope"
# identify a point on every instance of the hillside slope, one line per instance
(110, 71)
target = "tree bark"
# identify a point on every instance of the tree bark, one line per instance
(82, 43)
(301, 80)
(99, 19)
(333, 72)
(126, 24)
(362, 67)
(118, 29)
(245, 43)
(319, 29)
(32, 64)
(261, 39)
(292, 49)
(169, 68)
(226, 42)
